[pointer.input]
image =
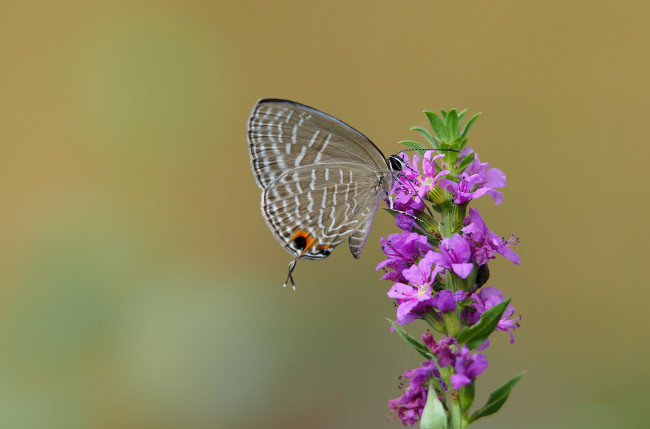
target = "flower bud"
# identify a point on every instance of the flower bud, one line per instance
(434, 320)
(466, 395)
(437, 195)
(428, 224)
(478, 277)
(452, 323)
(458, 211)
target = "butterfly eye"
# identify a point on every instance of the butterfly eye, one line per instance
(396, 163)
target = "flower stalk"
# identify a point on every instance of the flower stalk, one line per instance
(438, 265)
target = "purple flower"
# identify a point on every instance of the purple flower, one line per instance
(402, 251)
(487, 298)
(428, 179)
(412, 263)
(412, 187)
(442, 350)
(455, 255)
(476, 181)
(419, 181)
(484, 242)
(493, 177)
(445, 301)
(410, 207)
(468, 366)
(412, 300)
(428, 340)
(467, 188)
(409, 406)
(405, 190)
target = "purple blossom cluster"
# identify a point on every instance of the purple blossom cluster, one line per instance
(466, 367)
(438, 267)
(409, 407)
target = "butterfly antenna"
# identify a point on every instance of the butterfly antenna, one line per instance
(440, 149)
(292, 266)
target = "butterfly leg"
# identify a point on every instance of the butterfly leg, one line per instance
(412, 192)
(391, 205)
(408, 214)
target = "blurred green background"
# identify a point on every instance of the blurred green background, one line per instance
(140, 287)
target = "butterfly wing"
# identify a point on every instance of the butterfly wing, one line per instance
(322, 180)
(284, 135)
(312, 209)
(360, 235)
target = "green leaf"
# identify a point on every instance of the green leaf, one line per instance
(474, 336)
(497, 398)
(419, 346)
(434, 415)
(437, 125)
(391, 211)
(465, 163)
(427, 135)
(452, 123)
(433, 240)
(413, 144)
(461, 114)
(469, 124)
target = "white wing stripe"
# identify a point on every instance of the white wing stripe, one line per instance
(320, 152)
(301, 155)
(313, 139)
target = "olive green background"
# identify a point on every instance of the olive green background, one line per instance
(140, 287)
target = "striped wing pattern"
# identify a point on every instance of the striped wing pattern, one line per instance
(322, 180)
(327, 202)
(284, 135)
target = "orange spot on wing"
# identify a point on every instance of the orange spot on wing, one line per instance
(309, 240)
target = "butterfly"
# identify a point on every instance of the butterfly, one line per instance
(322, 181)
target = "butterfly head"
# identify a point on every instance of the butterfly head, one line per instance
(396, 163)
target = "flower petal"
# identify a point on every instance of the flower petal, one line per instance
(459, 380)
(495, 178)
(463, 270)
(405, 308)
(401, 291)
(496, 196)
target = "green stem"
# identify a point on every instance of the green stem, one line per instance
(447, 220)
(454, 283)
(456, 415)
